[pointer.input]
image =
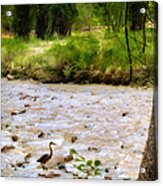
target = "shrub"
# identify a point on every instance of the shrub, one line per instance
(11, 49)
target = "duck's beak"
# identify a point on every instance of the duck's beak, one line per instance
(52, 143)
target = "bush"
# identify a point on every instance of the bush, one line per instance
(11, 50)
(79, 59)
(77, 54)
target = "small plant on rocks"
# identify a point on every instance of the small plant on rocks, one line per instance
(84, 169)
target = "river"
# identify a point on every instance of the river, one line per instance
(100, 122)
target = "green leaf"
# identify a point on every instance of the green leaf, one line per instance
(74, 165)
(89, 163)
(80, 167)
(82, 158)
(97, 172)
(97, 163)
(73, 151)
(78, 160)
(126, 178)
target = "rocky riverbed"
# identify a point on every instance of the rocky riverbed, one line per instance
(99, 122)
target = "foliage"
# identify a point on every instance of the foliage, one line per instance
(6, 21)
(41, 22)
(11, 50)
(86, 17)
(21, 20)
(135, 17)
(85, 168)
(110, 14)
(60, 18)
(98, 56)
(77, 54)
(79, 59)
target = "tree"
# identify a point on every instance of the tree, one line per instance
(111, 15)
(85, 14)
(127, 40)
(21, 21)
(60, 18)
(41, 22)
(135, 17)
(7, 20)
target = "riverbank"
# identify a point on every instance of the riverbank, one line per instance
(89, 57)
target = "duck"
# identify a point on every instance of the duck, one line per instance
(46, 157)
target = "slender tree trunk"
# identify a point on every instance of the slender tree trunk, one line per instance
(127, 42)
(144, 34)
(90, 17)
(69, 30)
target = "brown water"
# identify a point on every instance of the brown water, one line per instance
(110, 123)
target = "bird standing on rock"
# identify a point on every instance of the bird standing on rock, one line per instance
(46, 157)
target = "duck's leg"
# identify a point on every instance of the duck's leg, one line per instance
(44, 167)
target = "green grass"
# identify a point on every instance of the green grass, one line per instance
(81, 58)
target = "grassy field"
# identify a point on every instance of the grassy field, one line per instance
(88, 57)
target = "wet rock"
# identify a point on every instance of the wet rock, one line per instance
(93, 94)
(18, 112)
(53, 98)
(107, 177)
(107, 170)
(88, 126)
(49, 175)
(52, 175)
(93, 149)
(7, 125)
(41, 134)
(34, 98)
(115, 167)
(73, 139)
(68, 158)
(122, 147)
(14, 138)
(22, 97)
(27, 105)
(7, 148)
(20, 164)
(124, 114)
(10, 77)
(27, 157)
(61, 166)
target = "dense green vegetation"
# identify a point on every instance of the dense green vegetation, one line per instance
(81, 43)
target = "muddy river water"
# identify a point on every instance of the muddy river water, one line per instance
(100, 122)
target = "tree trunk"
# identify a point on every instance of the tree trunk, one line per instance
(127, 42)
(144, 34)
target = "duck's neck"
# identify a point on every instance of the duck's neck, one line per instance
(51, 151)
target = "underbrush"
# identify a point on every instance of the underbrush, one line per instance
(80, 59)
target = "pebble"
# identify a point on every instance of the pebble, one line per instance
(15, 138)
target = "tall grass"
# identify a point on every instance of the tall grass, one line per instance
(80, 58)
(11, 50)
